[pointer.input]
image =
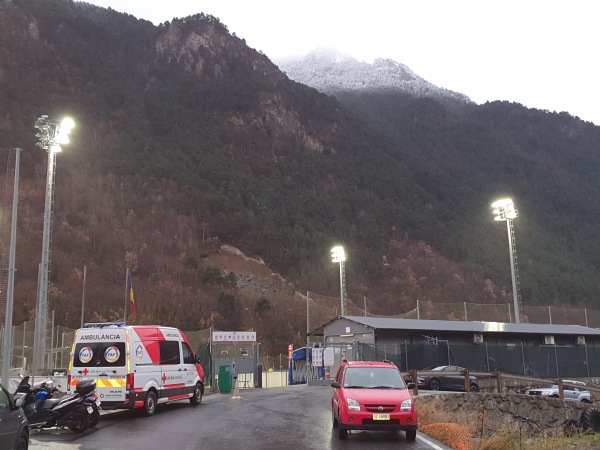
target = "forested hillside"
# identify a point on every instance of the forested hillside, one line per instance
(187, 139)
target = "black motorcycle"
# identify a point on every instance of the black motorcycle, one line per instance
(75, 412)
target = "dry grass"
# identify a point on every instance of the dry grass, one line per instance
(462, 430)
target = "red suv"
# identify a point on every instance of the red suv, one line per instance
(372, 395)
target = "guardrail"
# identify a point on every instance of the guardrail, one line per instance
(498, 376)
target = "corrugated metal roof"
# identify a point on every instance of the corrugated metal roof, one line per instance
(381, 323)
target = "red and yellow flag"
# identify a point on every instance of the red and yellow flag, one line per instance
(130, 289)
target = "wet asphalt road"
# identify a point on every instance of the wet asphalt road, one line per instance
(297, 417)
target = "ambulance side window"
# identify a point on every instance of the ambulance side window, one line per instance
(169, 352)
(188, 355)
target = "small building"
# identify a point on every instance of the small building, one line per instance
(529, 349)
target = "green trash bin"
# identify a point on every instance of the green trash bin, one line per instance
(225, 379)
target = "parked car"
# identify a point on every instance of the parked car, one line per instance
(446, 382)
(14, 428)
(572, 394)
(372, 395)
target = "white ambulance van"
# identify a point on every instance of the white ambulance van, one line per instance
(136, 366)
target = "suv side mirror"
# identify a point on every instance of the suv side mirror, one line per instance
(335, 384)
(410, 385)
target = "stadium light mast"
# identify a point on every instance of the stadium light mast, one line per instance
(505, 211)
(51, 137)
(339, 255)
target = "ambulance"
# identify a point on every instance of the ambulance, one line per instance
(136, 366)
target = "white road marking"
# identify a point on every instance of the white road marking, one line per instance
(431, 444)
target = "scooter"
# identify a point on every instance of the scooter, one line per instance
(74, 411)
(94, 402)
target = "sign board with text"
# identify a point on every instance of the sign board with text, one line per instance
(234, 336)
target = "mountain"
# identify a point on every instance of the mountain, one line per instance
(331, 72)
(188, 144)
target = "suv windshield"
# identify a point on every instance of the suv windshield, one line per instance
(373, 378)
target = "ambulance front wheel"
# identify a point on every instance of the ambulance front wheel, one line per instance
(196, 398)
(150, 403)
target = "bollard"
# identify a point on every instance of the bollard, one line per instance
(236, 390)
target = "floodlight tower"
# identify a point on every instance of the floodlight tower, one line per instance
(505, 211)
(339, 255)
(51, 136)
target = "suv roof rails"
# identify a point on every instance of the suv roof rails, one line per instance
(104, 324)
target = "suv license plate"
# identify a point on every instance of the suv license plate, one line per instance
(381, 417)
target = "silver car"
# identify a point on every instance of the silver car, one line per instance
(572, 394)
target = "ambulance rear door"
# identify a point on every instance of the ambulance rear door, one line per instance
(101, 354)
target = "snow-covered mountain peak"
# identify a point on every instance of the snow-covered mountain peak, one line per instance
(330, 72)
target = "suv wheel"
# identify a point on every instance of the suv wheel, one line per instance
(434, 384)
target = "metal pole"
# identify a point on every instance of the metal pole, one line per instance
(307, 336)
(7, 347)
(41, 316)
(512, 273)
(342, 311)
(83, 294)
(465, 304)
(418, 313)
(365, 301)
(586, 319)
(556, 360)
(23, 349)
(487, 357)
(587, 360)
(50, 353)
(126, 295)
(550, 315)
(523, 358)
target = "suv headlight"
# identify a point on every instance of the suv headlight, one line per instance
(353, 405)
(547, 392)
(406, 405)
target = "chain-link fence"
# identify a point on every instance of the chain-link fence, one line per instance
(544, 361)
(60, 339)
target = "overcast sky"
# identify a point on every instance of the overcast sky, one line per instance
(543, 54)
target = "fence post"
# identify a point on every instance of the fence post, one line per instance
(561, 394)
(498, 381)
(523, 358)
(413, 375)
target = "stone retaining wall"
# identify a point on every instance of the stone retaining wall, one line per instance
(535, 414)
